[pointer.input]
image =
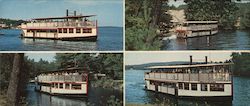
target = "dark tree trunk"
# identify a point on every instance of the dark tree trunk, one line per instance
(156, 12)
(13, 93)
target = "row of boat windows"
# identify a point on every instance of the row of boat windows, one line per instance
(63, 86)
(77, 30)
(66, 30)
(186, 86)
(204, 87)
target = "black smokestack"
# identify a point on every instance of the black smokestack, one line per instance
(191, 60)
(206, 59)
(67, 12)
(74, 13)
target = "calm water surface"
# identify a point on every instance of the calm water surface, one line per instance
(224, 40)
(109, 38)
(136, 94)
(96, 96)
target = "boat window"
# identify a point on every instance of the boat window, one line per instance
(180, 85)
(76, 86)
(71, 30)
(86, 30)
(52, 85)
(151, 83)
(65, 30)
(78, 30)
(52, 30)
(60, 30)
(67, 86)
(186, 86)
(61, 85)
(28, 30)
(216, 87)
(203, 87)
(193, 86)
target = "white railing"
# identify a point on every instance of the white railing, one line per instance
(59, 24)
(201, 27)
(197, 27)
(202, 77)
(61, 78)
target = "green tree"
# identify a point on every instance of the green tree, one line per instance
(109, 64)
(241, 63)
(143, 20)
(223, 11)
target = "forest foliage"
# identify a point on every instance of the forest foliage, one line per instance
(241, 65)
(244, 14)
(144, 18)
(223, 11)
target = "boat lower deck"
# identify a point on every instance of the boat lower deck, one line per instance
(87, 38)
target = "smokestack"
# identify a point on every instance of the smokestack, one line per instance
(67, 12)
(206, 59)
(74, 13)
(191, 60)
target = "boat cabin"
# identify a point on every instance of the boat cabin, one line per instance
(191, 80)
(71, 81)
(69, 27)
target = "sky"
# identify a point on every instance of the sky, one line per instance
(45, 56)
(132, 58)
(109, 12)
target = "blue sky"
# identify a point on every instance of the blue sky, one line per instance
(109, 12)
(133, 58)
(45, 56)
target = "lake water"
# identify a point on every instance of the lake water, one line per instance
(96, 97)
(224, 40)
(136, 94)
(109, 38)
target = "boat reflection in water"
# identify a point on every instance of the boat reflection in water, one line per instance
(96, 97)
(42, 99)
(157, 98)
(224, 40)
(43, 44)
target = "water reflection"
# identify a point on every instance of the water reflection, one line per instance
(158, 98)
(43, 44)
(224, 40)
(96, 97)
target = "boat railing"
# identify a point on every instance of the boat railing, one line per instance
(201, 77)
(59, 24)
(197, 27)
(62, 78)
(201, 27)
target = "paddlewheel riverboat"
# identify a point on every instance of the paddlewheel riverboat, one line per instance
(196, 29)
(206, 81)
(70, 27)
(67, 82)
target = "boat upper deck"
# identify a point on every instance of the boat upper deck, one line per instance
(200, 22)
(66, 17)
(63, 75)
(189, 66)
(74, 21)
(196, 73)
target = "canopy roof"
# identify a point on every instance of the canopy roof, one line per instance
(66, 17)
(189, 66)
(200, 22)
